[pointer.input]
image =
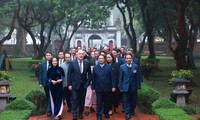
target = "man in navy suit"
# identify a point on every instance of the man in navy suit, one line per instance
(136, 61)
(43, 83)
(78, 79)
(117, 59)
(129, 83)
(103, 84)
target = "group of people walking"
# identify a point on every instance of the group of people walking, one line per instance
(81, 79)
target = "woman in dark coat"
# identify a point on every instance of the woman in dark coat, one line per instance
(116, 96)
(55, 76)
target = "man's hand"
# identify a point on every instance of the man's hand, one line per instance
(70, 88)
(41, 86)
(113, 89)
(93, 91)
(54, 82)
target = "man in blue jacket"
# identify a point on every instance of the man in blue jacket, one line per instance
(43, 83)
(103, 84)
(129, 83)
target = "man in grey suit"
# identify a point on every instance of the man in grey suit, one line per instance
(67, 92)
(43, 83)
(78, 79)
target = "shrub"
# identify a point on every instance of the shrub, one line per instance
(146, 97)
(149, 66)
(187, 74)
(21, 104)
(39, 99)
(6, 75)
(163, 103)
(172, 114)
(15, 114)
(191, 110)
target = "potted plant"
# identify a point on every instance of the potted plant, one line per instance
(187, 74)
(5, 75)
(35, 68)
(149, 66)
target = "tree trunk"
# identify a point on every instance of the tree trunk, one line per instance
(151, 45)
(20, 48)
(180, 57)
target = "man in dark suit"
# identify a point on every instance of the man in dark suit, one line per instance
(117, 59)
(103, 84)
(129, 83)
(136, 61)
(79, 75)
(60, 57)
(43, 83)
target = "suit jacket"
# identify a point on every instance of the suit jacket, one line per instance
(43, 74)
(75, 78)
(120, 60)
(137, 61)
(129, 79)
(93, 62)
(103, 79)
(115, 70)
(65, 67)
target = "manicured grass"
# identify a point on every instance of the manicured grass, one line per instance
(23, 81)
(160, 80)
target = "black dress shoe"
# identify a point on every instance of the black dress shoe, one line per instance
(128, 117)
(74, 118)
(132, 114)
(107, 116)
(87, 113)
(49, 114)
(80, 116)
(99, 118)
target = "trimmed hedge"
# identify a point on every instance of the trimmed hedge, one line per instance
(172, 114)
(146, 96)
(38, 98)
(21, 104)
(15, 114)
(191, 110)
(163, 103)
(19, 109)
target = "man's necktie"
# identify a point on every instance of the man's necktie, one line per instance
(80, 66)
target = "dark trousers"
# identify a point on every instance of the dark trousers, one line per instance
(68, 97)
(129, 101)
(116, 97)
(46, 90)
(103, 103)
(78, 100)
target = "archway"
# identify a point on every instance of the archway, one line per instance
(95, 41)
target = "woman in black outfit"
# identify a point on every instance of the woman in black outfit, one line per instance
(55, 76)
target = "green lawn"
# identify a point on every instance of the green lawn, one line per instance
(24, 82)
(159, 80)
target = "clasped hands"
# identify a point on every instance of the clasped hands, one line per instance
(56, 81)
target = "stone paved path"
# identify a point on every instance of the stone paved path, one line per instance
(116, 116)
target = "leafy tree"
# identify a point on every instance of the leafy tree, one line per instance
(175, 12)
(90, 13)
(127, 10)
(7, 25)
(149, 15)
(32, 14)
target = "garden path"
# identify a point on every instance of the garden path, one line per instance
(116, 116)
